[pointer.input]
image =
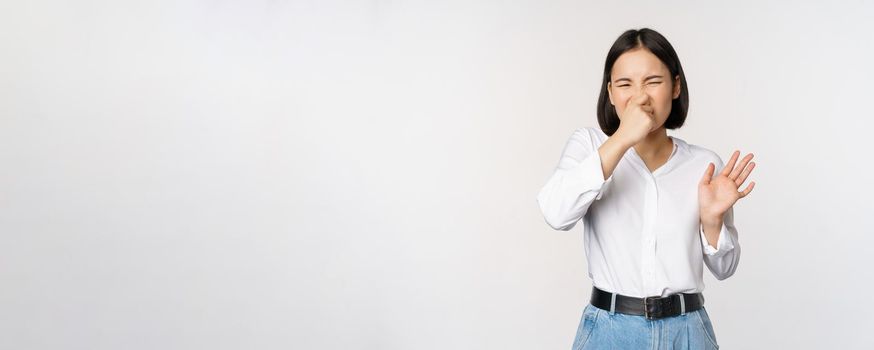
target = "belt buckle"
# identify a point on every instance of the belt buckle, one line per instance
(646, 308)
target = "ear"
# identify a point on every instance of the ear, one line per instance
(676, 92)
(610, 92)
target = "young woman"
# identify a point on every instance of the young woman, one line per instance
(652, 209)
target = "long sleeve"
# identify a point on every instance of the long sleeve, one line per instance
(722, 260)
(576, 182)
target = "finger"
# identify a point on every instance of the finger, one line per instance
(648, 110)
(740, 167)
(708, 174)
(743, 176)
(748, 189)
(730, 165)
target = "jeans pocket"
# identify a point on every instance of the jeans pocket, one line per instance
(587, 324)
(704, 318)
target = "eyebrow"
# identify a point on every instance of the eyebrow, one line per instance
(647, 78)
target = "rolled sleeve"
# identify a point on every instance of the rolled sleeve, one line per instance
(724, 258)
(723, 244)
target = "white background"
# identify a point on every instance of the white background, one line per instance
(362, 175)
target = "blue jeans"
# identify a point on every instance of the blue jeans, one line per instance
(599, 329)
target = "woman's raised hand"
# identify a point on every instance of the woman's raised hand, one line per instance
(717, 194)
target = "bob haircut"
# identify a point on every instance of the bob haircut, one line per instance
(661, 48)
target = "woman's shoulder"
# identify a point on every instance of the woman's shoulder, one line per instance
(582, 142)
(591, 135)
(703, 153)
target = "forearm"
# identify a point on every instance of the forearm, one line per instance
(721, 260)
(611, 152)
(711, 228)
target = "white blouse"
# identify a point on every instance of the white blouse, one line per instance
(641, 229)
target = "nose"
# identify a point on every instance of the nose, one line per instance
(642, 92)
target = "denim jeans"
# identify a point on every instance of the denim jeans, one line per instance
(599, 329)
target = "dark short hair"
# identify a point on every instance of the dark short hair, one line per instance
(661, 48)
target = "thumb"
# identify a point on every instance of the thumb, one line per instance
(708, 174)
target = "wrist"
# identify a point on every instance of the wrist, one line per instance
(621, 140)
(711, 220)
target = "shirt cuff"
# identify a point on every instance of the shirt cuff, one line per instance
(723, 245)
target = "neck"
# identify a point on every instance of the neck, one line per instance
(655, 143)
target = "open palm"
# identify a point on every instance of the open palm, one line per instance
(717, 194)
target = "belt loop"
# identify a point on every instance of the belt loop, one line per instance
(612, 303)
(682, 304)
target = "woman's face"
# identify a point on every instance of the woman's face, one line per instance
(640, 72)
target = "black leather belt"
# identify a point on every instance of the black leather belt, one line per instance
(651, 307)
